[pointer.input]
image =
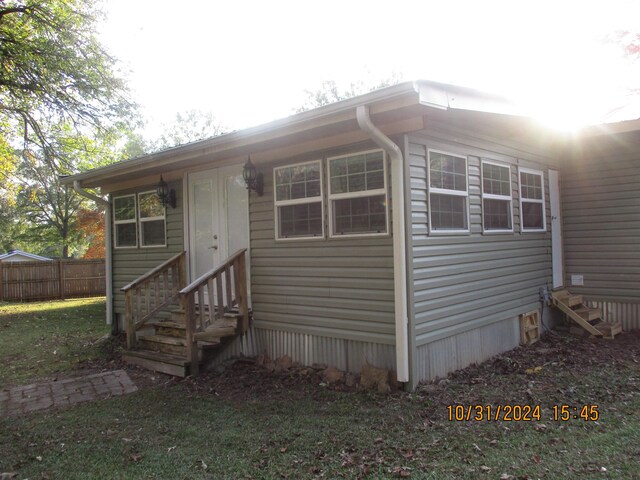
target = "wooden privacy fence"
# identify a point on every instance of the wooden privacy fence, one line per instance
(57, 279)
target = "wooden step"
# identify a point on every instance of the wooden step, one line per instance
(159, 362)
(164, 343)
(588, 313)
(215, 333)
(171, 329)
(571, 300)
(562, 292)
(609, 330)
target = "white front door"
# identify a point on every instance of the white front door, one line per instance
(218, 217)
(556, 229)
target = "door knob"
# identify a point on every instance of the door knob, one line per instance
(215, 237)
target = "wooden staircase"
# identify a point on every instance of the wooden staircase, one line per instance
(162, 346)
(171, 328)
(588, 318)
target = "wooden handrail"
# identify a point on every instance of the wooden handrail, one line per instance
(151, 293)
(193, 286)
(151, 273)
(232, 275)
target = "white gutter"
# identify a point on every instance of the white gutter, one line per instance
(399, 249)
(107, 240)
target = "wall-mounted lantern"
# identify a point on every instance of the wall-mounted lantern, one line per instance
(166, 195)
(253, 179)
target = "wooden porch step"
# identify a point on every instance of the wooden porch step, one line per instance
(159, 362)
(172, 329)
(589, 314)
(164, 343)
(178, 314)
(567, 297)
(609, 330)
(215, 333)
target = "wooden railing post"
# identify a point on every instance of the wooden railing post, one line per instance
(1, 283)
(240, 267)
(182, 272)
(129, 320)
(189, 307)
(61, 278)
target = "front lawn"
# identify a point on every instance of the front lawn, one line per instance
(42, 338)
(247, 422)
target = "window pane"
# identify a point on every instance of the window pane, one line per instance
(150, 205)
(447, 171)
(124, 208)
(448, 212)
(152, 233)
(300, 220)
(339, 184)
(532, 215)
(283, 192)
(360, 215)
(126, 235)
(357, 173)
(299, 181)
(531, 185)
(496, 180)
(375, 180)
(496, 214)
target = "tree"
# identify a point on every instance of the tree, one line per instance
(330, 92)
(188, 126)
(91, 227)
(54, 71)
(47, 205)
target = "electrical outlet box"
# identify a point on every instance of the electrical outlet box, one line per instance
(577, 280)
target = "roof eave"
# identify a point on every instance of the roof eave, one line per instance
(332, 113)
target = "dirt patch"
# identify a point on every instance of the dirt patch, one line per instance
(547, 372)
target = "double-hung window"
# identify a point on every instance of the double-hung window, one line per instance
(152, 220)
(124, 222)
(496, 197)
(448, 192)
(298, 201)
(358, 194)
(532, 214)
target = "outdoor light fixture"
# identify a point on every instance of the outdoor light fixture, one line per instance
(253, 178)
(166, 195)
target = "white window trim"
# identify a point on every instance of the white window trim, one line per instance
(365, 193)
(444, 191)
(532, 200)
(298, 201)
(150, 219)
(123, 222)
(491, 196)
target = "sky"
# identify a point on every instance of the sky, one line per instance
(250, 62)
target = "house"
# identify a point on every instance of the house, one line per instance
(20, 256)
(411, 228)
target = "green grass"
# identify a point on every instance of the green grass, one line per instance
(249, 423)
(41, 338)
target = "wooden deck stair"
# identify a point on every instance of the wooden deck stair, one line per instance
(588, 318)
(171, 329)
(164, 348)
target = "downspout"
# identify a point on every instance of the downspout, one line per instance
(399, 249)
(107, 240)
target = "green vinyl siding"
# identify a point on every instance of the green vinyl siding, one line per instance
(130, 263)
(601, 218)
(466, 281)
(330, 287)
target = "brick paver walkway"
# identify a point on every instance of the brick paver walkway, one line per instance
(38, 396)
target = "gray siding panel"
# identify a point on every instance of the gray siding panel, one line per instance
(601, 224)
(130, 263)
(330, 288)
(470, 288)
